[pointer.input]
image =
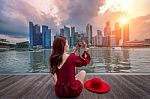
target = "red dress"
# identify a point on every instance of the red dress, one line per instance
(66, 85)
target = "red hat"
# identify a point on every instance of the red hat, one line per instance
(96, 85)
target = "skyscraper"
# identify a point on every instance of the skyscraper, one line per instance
(99, 37)
(89, 34)
(107, 29)
(76, 38)
(46, 37)
(35, 38)
(117, 32)
(62, 32)
(72, 38)
(107, 33)
(31, 34)
(112, 40)
(125, 33)
(38, 35)
(67, 34)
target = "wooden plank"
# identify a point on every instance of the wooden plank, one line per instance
(6, 89)
(10, 81)
(135, 90)
(139, 83)
(4, 77)
(47, 90)
(42, 87)
(29, 85)
(34, 91)
(16, 88)
(145, 78)
(116, 88)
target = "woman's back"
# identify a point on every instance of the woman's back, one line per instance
(67, 85)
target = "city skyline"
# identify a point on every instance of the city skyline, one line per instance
(56, 14)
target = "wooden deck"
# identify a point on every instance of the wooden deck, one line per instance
(41, 87)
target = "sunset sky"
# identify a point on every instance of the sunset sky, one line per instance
(16, 14)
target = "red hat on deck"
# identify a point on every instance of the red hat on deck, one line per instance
(96, 85)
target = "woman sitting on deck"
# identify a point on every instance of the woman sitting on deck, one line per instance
(62, 66)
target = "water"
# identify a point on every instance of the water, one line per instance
(132, 60)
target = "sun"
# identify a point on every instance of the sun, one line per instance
(123, 20)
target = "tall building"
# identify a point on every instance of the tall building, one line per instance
(31, 34)
(89, 34)
(99, 38)
(46, 37)
(67, 34)
(38, 35)
(72, 38)
(34, 35)
(76, 38)
(62, 32)
(107, 29)
(49, 39)
(117, 32)
(94, 40)
(125, 33)
(113, 40)
(107, 33)
(105, 41)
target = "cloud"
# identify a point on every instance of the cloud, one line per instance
(140, 28)
(78, 12)
(15, 17)
(13, 22)
(16, 14)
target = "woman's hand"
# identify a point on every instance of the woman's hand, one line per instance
(76, 48)
(84, 46)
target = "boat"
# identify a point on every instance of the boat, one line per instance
(30, 49)
(116, 48)
(4, 49)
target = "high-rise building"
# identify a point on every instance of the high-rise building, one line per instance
(107, 33)
(99, 38)
(105, 41)
(38, 35)
(89, 34)
(76, 38)
(94, 40)
(31, 34)
(46, 37)
(72, 38)
(67, 34)
(107, 29)
(117, 32)
(112, 40)
(125, 33)
(62, 32)
(34, 35)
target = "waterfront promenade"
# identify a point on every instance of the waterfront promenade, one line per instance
(40, 86)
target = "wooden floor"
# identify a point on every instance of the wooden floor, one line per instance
(41, 87)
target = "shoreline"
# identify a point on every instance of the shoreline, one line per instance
(22, 49)
(87, 74)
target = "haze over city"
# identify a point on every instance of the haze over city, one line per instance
(16, 14)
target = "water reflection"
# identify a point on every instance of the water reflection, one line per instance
(39, 61)
(102, 60)
(108, 60)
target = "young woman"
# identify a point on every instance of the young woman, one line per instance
(62, 66)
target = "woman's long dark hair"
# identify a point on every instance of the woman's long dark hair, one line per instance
(56, 57)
